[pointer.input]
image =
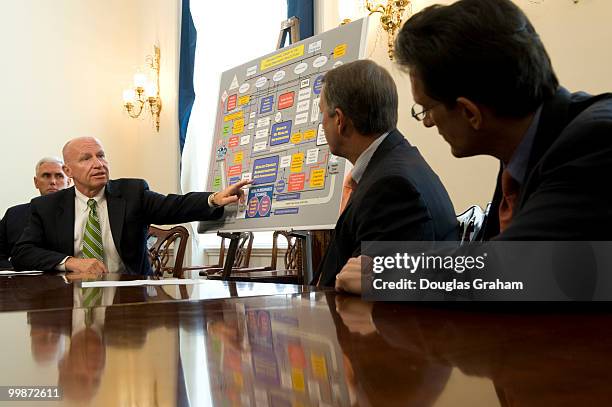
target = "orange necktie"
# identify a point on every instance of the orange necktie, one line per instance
(510, 193)
(348, 186)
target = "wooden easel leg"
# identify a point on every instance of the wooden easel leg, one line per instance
(231, 254)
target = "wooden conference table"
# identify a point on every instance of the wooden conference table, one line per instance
(256, 344)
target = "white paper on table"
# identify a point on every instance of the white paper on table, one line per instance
(22, 273)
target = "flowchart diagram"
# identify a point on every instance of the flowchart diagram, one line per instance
(268, 130)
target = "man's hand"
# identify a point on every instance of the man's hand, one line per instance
(84, 268)
(349, 278)
(231, 194)
(356, 314)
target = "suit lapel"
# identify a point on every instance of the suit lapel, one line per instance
(65, 222)
(116, 214)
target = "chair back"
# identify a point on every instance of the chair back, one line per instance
(471, 224)
(162, 244)
(293, 262)
(243, 254)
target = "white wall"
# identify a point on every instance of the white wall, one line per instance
(64, 65)
(577, 37)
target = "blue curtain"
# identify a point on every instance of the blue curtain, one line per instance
(187, 59)
(304, 10)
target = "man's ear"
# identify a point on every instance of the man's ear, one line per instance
(35, 182)
(67, 171)
(471, 112)
(341, 122)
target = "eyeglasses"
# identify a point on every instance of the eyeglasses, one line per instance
(419, 112)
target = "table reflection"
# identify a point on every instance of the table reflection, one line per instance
(284, 353)
(27, 293)
(309, 349)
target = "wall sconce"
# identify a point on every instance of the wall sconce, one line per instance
(390, 19)
(145, 92)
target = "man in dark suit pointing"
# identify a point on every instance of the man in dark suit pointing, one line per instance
(101, 225)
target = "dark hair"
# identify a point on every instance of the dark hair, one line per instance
(366, 94)
(484, 50)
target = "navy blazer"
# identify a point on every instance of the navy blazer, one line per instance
(566, 194)
(399, 198)
(132, 207)
(11, 226)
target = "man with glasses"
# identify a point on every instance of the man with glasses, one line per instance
(481, 75)
(394, 194)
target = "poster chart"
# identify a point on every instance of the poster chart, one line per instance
(275, 352)
(268, 130)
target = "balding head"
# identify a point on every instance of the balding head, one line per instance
(73, 145)
(85, 162)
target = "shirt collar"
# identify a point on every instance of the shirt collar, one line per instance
(517, 166)
(99, 198)
(364, 158)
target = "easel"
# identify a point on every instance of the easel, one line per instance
(318, 239)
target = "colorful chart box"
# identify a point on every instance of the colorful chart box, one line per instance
(296, 182)
(310, 134)
(244, 100)
(286, 100)
(340, 51)
(238, 126)
(233, 116)
(265, 170)
(280, 133)
(266, 105)
(286, 211)
(231, 102)
(233, 141)
(317, 178)
(238, 157)
(317, 85)
(234, 170)
(282, 57)
(296, 138)
(259, 202)
(297, 162)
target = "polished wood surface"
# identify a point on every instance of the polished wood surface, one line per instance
(29, 293)
(310, 349)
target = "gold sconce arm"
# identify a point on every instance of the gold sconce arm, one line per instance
(390, 19)
(145, 94)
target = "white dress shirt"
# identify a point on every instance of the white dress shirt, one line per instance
(81, 212)
(364, 158)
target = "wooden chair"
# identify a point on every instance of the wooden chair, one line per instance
(165, 244)
(292, 273)
(242, 259)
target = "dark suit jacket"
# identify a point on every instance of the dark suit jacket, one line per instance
(11, 227)
(399, 198)
(566, 194)
(49, 236)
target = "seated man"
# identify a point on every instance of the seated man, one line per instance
(49, 178)
(480, 74)
(101, 225)
(396, 195)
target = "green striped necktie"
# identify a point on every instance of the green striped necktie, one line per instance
(92, 297)
(92, 236)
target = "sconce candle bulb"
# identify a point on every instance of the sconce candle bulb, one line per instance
(145, 94)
